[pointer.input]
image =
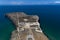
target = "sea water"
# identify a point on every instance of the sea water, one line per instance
(49, 19)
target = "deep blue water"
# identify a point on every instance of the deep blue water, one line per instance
(49, 19)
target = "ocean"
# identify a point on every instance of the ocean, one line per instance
(49, 19)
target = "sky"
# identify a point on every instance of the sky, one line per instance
(28, 2)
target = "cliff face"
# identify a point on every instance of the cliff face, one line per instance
(21, 33)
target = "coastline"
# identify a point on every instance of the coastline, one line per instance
(43, 36)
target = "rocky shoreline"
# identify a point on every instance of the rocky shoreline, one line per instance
(14, 36)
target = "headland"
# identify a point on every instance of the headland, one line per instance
(27, 27)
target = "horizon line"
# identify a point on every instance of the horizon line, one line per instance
(31, 3)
